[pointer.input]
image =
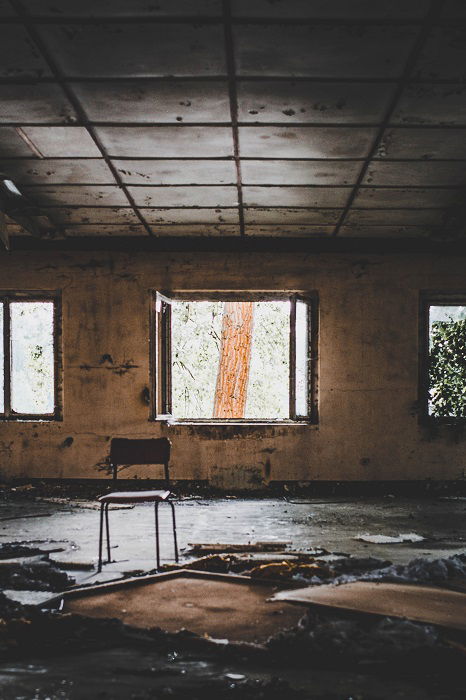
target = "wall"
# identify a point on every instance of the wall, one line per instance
(368, 371)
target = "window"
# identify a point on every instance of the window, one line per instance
(237, 357)
(443, 370)
(28, 356)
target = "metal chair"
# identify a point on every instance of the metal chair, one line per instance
(124, 452)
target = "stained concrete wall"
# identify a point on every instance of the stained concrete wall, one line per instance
(368, 373)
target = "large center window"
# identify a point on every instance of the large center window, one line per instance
(235, 357)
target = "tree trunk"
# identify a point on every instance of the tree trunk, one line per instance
(235, 355)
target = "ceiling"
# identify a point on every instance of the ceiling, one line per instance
(256, 118)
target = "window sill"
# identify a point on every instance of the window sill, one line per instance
(236, 423)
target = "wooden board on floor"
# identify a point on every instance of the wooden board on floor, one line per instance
(436, 606)
(218, 607)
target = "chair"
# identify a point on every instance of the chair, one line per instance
(149, 451)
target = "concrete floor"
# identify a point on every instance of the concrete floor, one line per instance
(332, 524)
(69, 530)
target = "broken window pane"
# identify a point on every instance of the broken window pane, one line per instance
(302, 358)
(32, 357)
(447, 361)
(2, 363)
(230, 359)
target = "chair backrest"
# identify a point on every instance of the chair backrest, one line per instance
(140, 451)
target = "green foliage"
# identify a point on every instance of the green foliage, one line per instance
(447, 370)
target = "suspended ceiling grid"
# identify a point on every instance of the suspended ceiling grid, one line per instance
(288, 118)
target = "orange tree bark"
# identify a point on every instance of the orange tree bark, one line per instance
(235, 356)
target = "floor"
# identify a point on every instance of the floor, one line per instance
(72, 528)
(68, 529)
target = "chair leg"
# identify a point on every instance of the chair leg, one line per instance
(108, 532)
(101, 532)
(174, 530)
(157, 543)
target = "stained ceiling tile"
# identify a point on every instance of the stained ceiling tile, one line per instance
(19, 58)
(309, 101)
(299, 172)
(62, 141)
(443, 56)
(96, 215)
(415, 174)
(167, 141)
(330, 9)
(286, 216)
(51, 171)
(183, 230)
(176, 172)
(423, 144)
(289, 231)
(40, 103)
(12, 145)
(305, 142)
(385, 231)
(185, 196)
(295, 196)
(432, 103)
(155, 101)
(394, 217)
(407, 197)
(136, 50)
(102, 195)
(123, 8)
(323, 51)
(191, 216)
(105, 230)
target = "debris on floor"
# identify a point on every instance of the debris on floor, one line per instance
(387, 539)
(233, 548)
(428, 604)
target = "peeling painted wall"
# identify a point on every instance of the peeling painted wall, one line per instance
(368, 374)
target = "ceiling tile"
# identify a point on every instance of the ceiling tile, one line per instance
(167, 141)
(454, 8)
(136, 50)
(5, 9)
(82, 196)
(282, 216)
(295, 196)
(105, 230)
(423, 144)
(11, 145)
(309, 101)
(184, 230)
(59, 171)
(299, 172)
(289, 231)
(330, 9)
(155, 101)
(416, 174)
(323, 51)
(432, 103)
(305, 142)
(19, 58)
(394, 217)
(62, 141)
(385, 231)
(191, 216)
(185, 196)
(38, 104)
(94, 215)
(176, 172)
(123, 8)
(443, 56)
(410, 198)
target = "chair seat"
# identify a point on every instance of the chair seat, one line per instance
(134, 496)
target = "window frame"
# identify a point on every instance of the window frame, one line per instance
(160, 353)
(426, 300)
(7, 298)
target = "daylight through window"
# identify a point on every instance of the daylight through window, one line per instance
(227, 357)
(447, 361)
(27, 358)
